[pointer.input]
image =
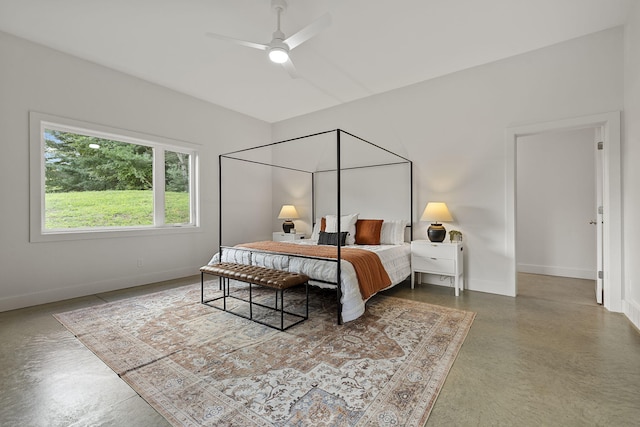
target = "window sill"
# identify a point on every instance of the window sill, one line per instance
(61, 236)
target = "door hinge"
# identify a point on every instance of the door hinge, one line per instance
(600, 274)
(600, 210)
(600, 145)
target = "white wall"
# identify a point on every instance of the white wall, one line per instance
(35, 78)
(386, 194)
(294, 189)
(630, 169)
(556, 199)
(453, 129)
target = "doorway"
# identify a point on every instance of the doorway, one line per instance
(556, 205)
(608, 127)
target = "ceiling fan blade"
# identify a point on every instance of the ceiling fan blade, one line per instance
(291, 69)
(309, 31)
(237, 41)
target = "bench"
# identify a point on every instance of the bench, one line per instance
(255, 275)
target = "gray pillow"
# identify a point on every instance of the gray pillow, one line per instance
(332, 238)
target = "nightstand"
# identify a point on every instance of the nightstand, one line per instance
(444, 259)
(279, 236)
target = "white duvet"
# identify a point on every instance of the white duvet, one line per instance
(396, 260)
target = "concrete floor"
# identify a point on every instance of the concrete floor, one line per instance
(549, 357)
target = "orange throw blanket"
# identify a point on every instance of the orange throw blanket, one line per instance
(372, 276)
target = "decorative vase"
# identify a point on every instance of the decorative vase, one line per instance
(287, 226)
(436, 232)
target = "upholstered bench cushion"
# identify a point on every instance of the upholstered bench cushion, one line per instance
(257, 275)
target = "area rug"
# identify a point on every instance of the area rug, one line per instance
(199, 366)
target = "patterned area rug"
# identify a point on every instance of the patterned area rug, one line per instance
(199, 366)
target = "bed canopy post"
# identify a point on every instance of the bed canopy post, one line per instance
(220, 205)
(411, 201)
(220, 279)
(313, 199)
(338, 216)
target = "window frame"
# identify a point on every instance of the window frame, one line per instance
(38, 233)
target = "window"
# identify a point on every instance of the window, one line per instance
(89, 179)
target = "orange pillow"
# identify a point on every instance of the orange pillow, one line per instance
(368, 231)
(323, 224)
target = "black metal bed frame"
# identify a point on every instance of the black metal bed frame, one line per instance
(338, 170)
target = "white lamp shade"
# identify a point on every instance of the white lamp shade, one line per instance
(288, 212)
(436, 212)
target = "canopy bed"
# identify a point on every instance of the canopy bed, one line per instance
(331, 173)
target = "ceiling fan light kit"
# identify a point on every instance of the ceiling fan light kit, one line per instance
(279, 46)
(278, 49)
(278, 55)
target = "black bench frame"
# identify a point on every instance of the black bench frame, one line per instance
(226, 293)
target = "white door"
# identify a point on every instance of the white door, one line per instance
(599, 217)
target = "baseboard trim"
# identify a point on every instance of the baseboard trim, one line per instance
(85, 289)
(491, 287)
(550, 270)
(631, 309)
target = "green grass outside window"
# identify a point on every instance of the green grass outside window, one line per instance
(125, 208)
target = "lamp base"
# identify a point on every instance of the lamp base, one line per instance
(287, 226)
(436, 233)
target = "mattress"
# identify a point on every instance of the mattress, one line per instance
(396, 259)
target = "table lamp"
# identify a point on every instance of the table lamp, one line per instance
(436, 212)
(288, 212)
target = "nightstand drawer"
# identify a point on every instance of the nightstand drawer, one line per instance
(433, 265)
(429, 250)
(279, 236)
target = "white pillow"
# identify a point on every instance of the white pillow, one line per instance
(347, 223)
(315, 234)
(392, 232)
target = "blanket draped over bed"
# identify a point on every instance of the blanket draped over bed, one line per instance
(372, 277)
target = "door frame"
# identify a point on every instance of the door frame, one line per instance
(609, 125)
(599, 160)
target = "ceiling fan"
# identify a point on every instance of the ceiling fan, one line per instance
(279, 47)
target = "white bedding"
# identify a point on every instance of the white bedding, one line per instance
(396, 260)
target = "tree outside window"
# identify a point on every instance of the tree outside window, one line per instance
(99, 182)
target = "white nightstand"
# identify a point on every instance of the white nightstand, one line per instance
(445, 259)
(279, 236)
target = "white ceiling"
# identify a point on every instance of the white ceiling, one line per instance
(372, 46)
